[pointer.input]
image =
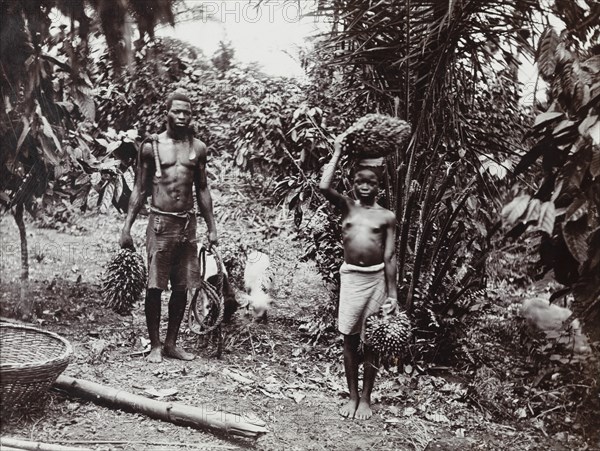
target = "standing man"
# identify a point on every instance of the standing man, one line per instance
(169, 168)
(367, 276)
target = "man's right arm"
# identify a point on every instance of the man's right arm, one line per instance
(139, 193)
(327, 178)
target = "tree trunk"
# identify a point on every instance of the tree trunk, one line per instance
(198, 417)
(24, 306)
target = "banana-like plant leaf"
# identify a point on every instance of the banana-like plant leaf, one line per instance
(107, 197)
(515, 208)
(575, 234)
(594, 132)
(533, 211)
(118, 191)
(547, 217)
(543, 119)
(530, 157)
(24, 133)
(546, 53)
(576, 210)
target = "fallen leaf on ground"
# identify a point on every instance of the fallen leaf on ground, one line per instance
(437, 417)
(408, 411)
(237, 377)
(297, 396)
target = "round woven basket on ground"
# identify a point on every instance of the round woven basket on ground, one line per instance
(30, 361)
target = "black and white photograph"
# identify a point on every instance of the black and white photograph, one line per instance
(291, 225)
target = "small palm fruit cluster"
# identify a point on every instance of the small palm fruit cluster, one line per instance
(123, 281)
(376, 135)
(389, 336)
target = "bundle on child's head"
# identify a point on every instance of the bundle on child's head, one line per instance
(376, 135)
(376, 165)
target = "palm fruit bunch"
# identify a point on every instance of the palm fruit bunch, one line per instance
(376, 135)
(124, 280)
(389, 336)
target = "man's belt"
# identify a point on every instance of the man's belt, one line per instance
(178, 214)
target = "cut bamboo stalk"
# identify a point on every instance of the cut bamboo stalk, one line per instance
(180, 414)
(8, 443)
(167, 445)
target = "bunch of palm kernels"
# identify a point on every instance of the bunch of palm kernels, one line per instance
(389, 336)
(124, 281)
(376, 135)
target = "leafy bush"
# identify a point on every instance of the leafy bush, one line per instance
(565, 207)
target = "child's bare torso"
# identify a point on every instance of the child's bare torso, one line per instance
(363, 232)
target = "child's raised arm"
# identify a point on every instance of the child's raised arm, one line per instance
(331, 194)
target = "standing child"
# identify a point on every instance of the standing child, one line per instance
(367, 276)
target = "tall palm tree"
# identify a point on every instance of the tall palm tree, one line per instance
(451, 69)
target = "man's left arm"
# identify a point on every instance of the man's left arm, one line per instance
(203, 194)
(389, 258)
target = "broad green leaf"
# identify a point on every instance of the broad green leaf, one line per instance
(48, 152)
(564, 127)
(47, 128)
(546, 54)
(585, 124)
(515, 208)
(575, 234)
(129, 178)
(576, 210)
(107, 197)
(132, 134)
(594, 132)
(547, 217)
(86, 106)
(24, 133)
(83, 179)
(118, 191)
(113, 146)
(557, 190)
(533, 211)
(545, 118)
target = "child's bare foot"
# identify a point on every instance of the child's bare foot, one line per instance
(348, 409)
(363, 411)
(155, 355)
(178, 353)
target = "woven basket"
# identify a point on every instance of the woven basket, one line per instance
(30, 361)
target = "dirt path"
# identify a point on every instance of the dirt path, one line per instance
(296, 388)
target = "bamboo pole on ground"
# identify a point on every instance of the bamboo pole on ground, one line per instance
(7, 443)
(181, 414)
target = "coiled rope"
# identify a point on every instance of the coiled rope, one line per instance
(201, 320)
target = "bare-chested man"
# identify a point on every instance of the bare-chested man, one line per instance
(367, 276)
(170, 167)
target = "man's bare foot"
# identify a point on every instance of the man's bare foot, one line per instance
(363, 411)
(177, 353)
(155, 355)
(348, 409)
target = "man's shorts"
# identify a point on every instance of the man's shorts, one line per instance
(172, 249)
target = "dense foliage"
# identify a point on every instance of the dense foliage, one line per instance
(565, 207)
(447, 70)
